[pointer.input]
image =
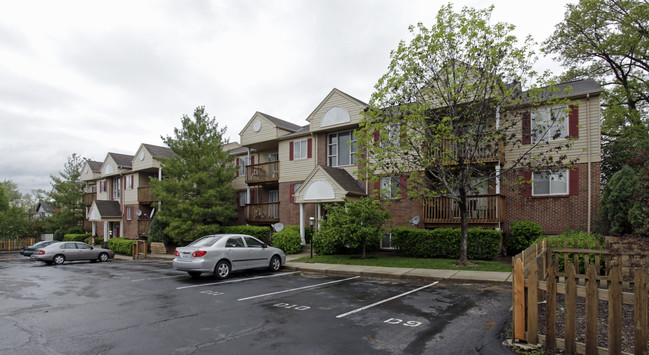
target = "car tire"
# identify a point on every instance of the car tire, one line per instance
(103, 257)
(275, 263)
(58, 259)
(194, 274)
(222, 270)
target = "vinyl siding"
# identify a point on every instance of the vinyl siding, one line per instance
(336, 98)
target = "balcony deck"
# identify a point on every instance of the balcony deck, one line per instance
(263, 213)
(262, 173)
(144, 195)
(483, 209)
(480, 155)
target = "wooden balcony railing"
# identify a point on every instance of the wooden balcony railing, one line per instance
(477, 154)
(143, 226)
(481, 209)
(263, 212)
(88, 198)
(262, 173)
(144, 195)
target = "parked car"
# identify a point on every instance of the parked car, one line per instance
(29, 250)
(60, 252)
(222, 254)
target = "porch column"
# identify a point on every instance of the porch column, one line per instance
(302, 237)
(106, 231)
(121, 228)
(319, 214)
(94, 229)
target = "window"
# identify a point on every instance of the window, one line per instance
(243, 161)
(243, 198)
(129, 213)
(253, 243)
(117, 187)
(549, 124)
(390, 187)
(392, 138)
(129, 182)
(550, 183)
(341, 149)
(300, 149)
(234, 242)
(102, 186)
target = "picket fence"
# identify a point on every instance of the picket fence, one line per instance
(15, 244)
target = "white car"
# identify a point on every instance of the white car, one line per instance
(223, 253)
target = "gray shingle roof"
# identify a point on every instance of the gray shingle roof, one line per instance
(345, 180)
(108, 208)
(122, 160)
(158, 151)
(95, 166)
(281, 123)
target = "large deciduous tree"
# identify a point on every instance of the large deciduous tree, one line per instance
(450, 97)
(14, 216)
(196, 194)
(609, 40)
(67, 194)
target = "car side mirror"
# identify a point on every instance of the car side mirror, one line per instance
(264, 245)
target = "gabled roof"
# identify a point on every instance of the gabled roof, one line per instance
(281, 123)
(327, 184)
(329, 96)
(303, 131)
(46, 206)
(158, 151)
(122, 160)
(345, 180)
(570, 89)
(95, 166)
(105, 209)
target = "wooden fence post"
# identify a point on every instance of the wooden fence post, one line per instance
(591, 310)
(640, 313)
(550, 310)
(571, 311)
(615, 311)
(532, 303)
(519, 301)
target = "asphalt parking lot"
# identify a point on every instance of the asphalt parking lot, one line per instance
(124, 307)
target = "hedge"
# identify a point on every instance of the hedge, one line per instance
(121, 245)
(445, 242)
(288, 240)
(76, 237)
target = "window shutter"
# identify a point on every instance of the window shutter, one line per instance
(573, 181)
(252, 160)
(527, 187)
(573, 121)
(237, 166)
(291, 189)
(377, 136)
(290, 151)
(309, 148)
(526, 123)
(403, 182)
(377, 187)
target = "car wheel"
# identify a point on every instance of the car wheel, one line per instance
(103, 257)
(59, 259)
(194, 274)
(222, 270)
(275, 263)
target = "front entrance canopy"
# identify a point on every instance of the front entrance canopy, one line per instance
(105, 210)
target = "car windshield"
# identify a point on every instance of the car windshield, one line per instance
(206, 241)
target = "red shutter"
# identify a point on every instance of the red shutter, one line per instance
(573, 121)
(377, 136)
(403, 181)
(237, 166)
(526, 123)
(527, 187)
(252, 160)
(573, 181)
(309, 148)
(291, 189)
(377, 188)
(290, 151)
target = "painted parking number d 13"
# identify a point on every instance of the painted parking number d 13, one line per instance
(292, 306)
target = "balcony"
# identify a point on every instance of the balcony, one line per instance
(143, 226)
(89, 198)
(144, 195)
(483, 209)
(263, 213)
(262, 173)
(480, 155)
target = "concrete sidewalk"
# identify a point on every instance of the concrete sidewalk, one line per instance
(369, 271)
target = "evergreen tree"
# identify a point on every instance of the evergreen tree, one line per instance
(67, 195)
(196, 195)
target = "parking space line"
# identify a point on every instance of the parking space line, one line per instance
(159, 278)
(386, 300)
(241, 280)
(296, 289)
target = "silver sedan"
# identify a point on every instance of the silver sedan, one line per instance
(223, 253)
(58, 253)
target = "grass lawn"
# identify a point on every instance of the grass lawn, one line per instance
(399, 261)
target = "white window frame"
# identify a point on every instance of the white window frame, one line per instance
(243, 198)
(117, 187)
(300, 149)
(129, 182)
(129, 213)
(335, 150)
(393, 134)
(243, 161)
(390, 188)
(557, 182)
(544, 129)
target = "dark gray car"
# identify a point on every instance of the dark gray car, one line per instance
(58, 253)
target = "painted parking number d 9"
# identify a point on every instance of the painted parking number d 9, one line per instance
(292, 306)
(410, 323)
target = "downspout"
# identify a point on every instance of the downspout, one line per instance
(498, 173)
(588, 213)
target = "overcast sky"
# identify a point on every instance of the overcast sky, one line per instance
(91, 77)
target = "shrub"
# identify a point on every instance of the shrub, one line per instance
(522, 235)
(75, 230)
(121, 245)
(59, 234)
(261, 233)
(445, 242)
(156, 232)
(288, 240)
(76, 237)
(571, 236)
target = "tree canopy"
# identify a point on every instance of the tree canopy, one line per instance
(452, 96)
(67, 194)
(14, 216)
(196, 194)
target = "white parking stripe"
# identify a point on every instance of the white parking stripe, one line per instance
(299, 288)
(159, 278)
(389, 299)
(233, 281)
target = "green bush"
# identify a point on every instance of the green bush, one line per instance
(571, 236)
(76, 237)
(445, 242)
(121, 245)
(156, 232)
(261, 233)
(288, 240)
(75, 230)
(59, 234)
(522, 234)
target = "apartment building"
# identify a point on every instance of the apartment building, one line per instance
(118, 197)
(288, 172)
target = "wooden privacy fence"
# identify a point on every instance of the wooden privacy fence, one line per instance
(595, 289)
(15, 244)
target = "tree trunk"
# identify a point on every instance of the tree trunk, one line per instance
(464, 232)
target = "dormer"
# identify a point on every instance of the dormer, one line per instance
(262, 131)
(337, 111)
(91, 170)
(116, 164)
(148, 156)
